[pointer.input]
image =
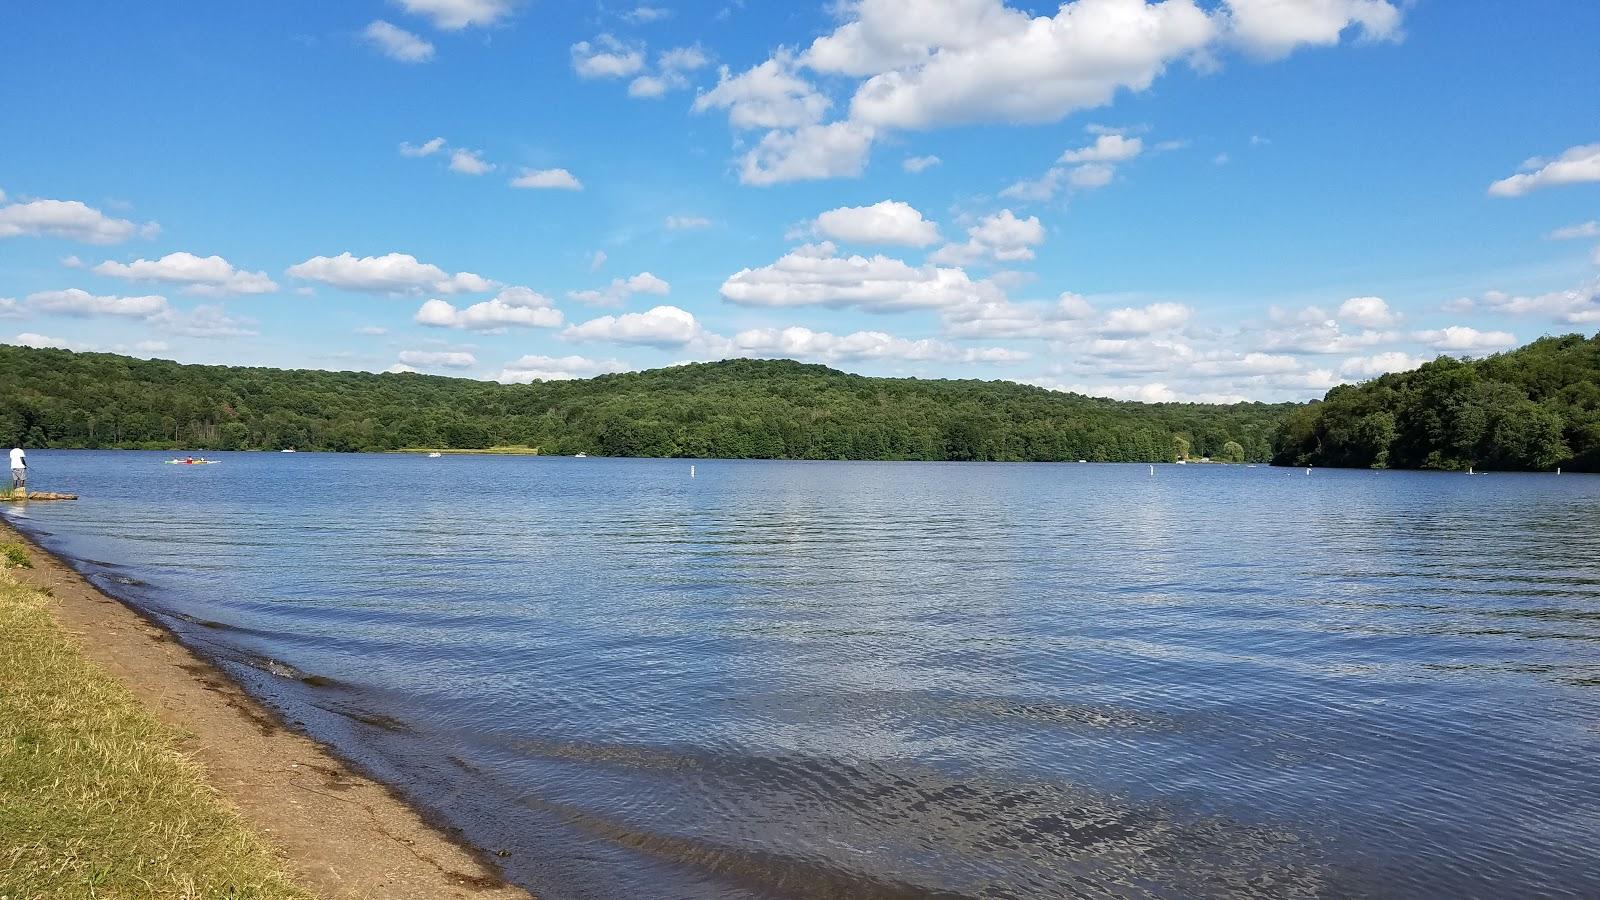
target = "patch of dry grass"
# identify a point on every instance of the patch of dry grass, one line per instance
(96, 799)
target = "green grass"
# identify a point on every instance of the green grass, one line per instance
(96, 799)
(15, 555)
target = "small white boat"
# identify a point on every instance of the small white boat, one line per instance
(580, 456)
(290, 450)
(435, 455)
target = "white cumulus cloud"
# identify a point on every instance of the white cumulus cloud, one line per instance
(1464, 338)
(770, 95)
(397, 43)
(808, 153)
(813, 275)
(1380, 364)
(454, 15)
(1146, 319)
(803, 343)
(533, 368)
(1001, 237)
(392, 273)
(437, 359)
(1110, 147)
(620, 289)
(76, 302)
(606, 57)
(886, 222)
(512, 307)
(68, 219)
(1587, 229)
(660, 326)
(1576, 165)
(426, 148)
(1367, 312)
(1274, 28)
(547, 179)
(469, 162)
(207, 276)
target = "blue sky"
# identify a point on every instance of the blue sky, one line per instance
(1191, 199)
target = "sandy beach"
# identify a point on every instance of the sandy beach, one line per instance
(341, 834)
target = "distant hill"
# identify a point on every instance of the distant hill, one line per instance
(741, 408)
(1533, 408)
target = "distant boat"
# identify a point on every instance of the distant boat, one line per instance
(191, 461)
(1183, 462)
(1083, 460)
(580, 456)
(435, 455)
(290, 450)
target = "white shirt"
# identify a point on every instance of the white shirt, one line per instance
(17, 460)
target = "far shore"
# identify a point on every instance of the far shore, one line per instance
(494, 451)
(340, 834)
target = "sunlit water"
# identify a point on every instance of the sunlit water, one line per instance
(902, 679)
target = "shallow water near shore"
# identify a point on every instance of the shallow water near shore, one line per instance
(786, 679)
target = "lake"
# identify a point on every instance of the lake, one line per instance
(812, 679)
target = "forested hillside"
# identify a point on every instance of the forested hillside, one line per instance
(732, 409)
(1536, 408)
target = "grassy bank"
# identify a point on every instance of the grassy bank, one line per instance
(96, 799)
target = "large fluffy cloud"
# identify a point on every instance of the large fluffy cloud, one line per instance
(887, 222)
(769, 95)
(207, 275)
(1466, 339)
(1150, 319)
(660, 326)
(69, 219)
(75, 302)
(936, 63)
(1069, 316)
(1367, 312)
(1576, 165)
(1274, 28)
(514, 306)
(392, 273)
(814, 275)
(1001, 237)
(808, 153)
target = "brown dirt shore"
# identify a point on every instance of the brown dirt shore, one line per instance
(341, 835)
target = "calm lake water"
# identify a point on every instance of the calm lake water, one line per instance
(902, 679)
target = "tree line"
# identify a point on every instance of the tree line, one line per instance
(1535, 408)
(743, 408)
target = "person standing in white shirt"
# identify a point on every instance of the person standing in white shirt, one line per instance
(19, 469)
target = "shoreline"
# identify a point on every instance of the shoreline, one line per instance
(337, 832)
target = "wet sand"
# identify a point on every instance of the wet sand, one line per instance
(342, 835)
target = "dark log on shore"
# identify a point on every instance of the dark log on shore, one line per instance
(18, 497)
